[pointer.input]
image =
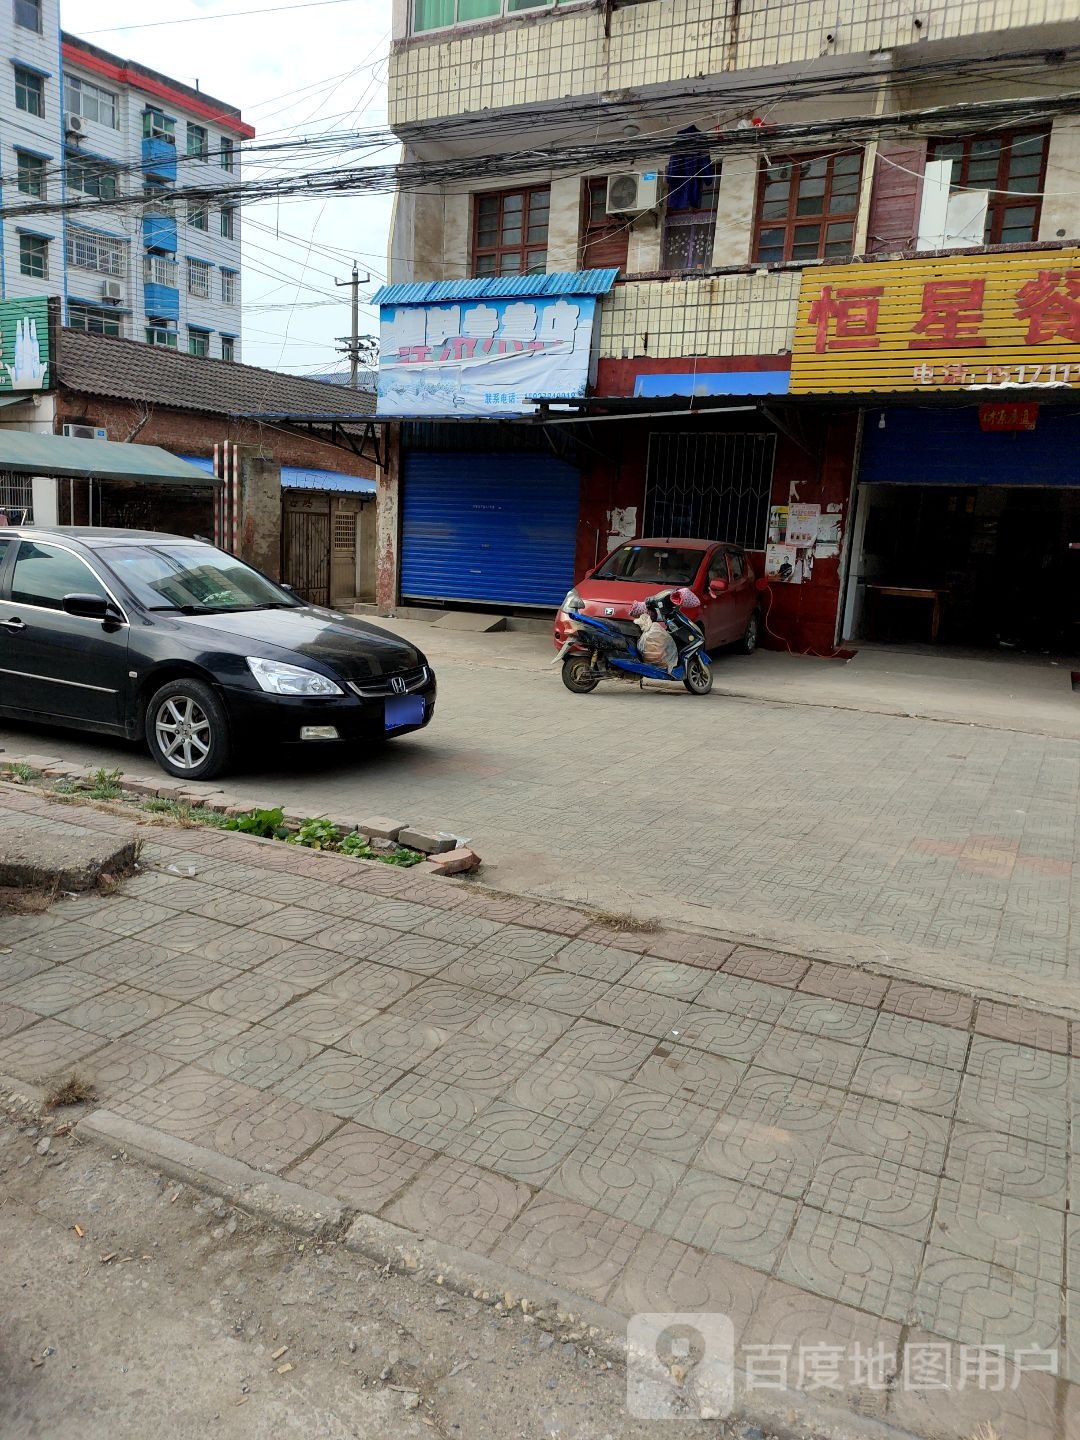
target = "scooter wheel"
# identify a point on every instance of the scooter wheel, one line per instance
(578, 675)
(698, 678)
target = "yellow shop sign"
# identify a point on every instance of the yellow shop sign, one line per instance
(940, 323)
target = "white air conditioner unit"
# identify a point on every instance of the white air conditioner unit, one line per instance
(112, 290)
(86, 432)
(632, 190)
(74, 125)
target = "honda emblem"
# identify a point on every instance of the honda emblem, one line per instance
(399, 685)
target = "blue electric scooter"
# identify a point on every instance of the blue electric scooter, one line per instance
(602, 649)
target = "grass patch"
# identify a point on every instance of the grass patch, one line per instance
(614, 920)
(19, 773)
(105, 784)
(72, 1091)
(183, 814)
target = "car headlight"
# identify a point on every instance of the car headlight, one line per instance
(573, 601)
(277, 678)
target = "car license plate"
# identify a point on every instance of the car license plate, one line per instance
(403, 710)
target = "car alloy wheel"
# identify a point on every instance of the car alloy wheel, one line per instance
(187, 729)
(184, 734)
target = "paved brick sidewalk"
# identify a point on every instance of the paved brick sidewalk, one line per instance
(658, 1122)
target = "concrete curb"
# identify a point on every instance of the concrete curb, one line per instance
(317, 1216)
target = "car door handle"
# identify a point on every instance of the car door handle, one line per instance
(13, 624)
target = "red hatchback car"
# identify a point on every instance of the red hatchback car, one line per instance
(719, 574)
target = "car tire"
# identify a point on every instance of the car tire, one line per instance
(187, 730)
(699, 676)
(749, 642)
(578, 675)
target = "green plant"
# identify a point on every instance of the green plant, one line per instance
(184, 814)
(357, 846)
(268, 824)
(403, 857)
(317, 834)
(19, 772)
(105, 784)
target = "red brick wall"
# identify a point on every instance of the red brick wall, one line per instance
(188, 432)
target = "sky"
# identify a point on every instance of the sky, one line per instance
(311, 68)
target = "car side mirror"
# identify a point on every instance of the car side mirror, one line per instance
(717, 587)
(87, 607)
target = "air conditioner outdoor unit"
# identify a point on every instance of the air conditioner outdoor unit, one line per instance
(86, 432)
(632, 190)
(112, 290)
(74, 124)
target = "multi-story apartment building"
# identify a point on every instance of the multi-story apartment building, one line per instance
(847, 281)
(77, 122)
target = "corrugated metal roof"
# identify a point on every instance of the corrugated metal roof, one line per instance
(26, 453)
(497, 287)
(298, 477)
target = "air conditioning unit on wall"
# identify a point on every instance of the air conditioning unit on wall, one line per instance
(632, 190)
(74, 125)
(86, 432)
(112, 290)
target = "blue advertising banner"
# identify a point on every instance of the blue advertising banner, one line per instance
(484, 356)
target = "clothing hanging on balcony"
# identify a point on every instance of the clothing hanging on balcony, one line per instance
(686, 173)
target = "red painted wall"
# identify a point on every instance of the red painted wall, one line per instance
(616, 377)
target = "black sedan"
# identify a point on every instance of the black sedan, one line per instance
(134, 633)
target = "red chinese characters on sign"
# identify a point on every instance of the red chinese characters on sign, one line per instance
(846, 317)
(952, 313)
(1008, 417)
(1051, 306)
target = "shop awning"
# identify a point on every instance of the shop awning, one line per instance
(298, 477)
(24, 453)
(716, 382)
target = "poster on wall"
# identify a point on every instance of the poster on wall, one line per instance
(802, 524)
(488, 356)
(24, 344)
(782, 564)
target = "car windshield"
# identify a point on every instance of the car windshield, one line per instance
(195, 579)
(651, 565)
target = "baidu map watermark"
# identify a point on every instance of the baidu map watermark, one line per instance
(682, 1365)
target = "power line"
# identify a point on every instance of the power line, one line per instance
(223, 15)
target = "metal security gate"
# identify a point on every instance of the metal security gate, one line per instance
(711, 486)
(305, 558)
(495, 529)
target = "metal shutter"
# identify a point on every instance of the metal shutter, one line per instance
(500, 529)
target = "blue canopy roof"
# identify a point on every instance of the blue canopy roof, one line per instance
(302, 477)
(496, 287)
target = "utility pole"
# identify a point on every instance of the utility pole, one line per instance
(351, 347)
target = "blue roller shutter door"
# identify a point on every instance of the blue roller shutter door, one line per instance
(497, 529)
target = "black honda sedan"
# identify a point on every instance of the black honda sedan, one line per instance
(133, 633)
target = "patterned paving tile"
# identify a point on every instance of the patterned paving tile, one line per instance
(425, 1109)
(363, 1167)
(289, 922)
(563, 1091)
(182, 977)
(764, 965)
(400, 914)
(1023, 1405)
(14, 928)
(519, 942)
(375, 987)
(343, 1084)
(808, 1057)
(1021, 1065)
(727, 1217)
(566, 994)
(652, 1120)
(355, 938)
(236, 909)
(506, 1024)
(688, 949)
(1005, 1231)
(919, 1040)
(419, 953)
(897, 1133)
(597, 962)
(1000, 1104)
(1026, 1027)
(187, 1032)
(45, 1049)
(459, 1203)
(842, 982)
(921, 1002)
(490, 973)
(60, 943)
(128, 917)
(450, 1007)
(459, 929)
(16, 967)
(326, 1021)
(260, 1056)
(251, 996)
(665, 1275)
(516, 1142)
(667, 977)
(835, 1019)
(13, 1019)
(980, 1303)
(857, 1264)
(911, 1083)
(719, 1032)
(118, 1011)
(124, 960)
(468, 1063)
(622, 1180)
(568, 1244)
(121, 1070)
(188, 1103)
(1007, 1165)
(394, 1041)
(54, 990)
(772, 1132)
(243, 949)
(636, 1010)
(751, 999)
(306, 966)
(189, 932)
(692, 1075)
(619, 1053)
(272, 1133)
(874, 1192)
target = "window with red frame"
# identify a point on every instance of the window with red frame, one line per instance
(1012, 167)
(806, 208)
(605, 239)
(510, 230)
